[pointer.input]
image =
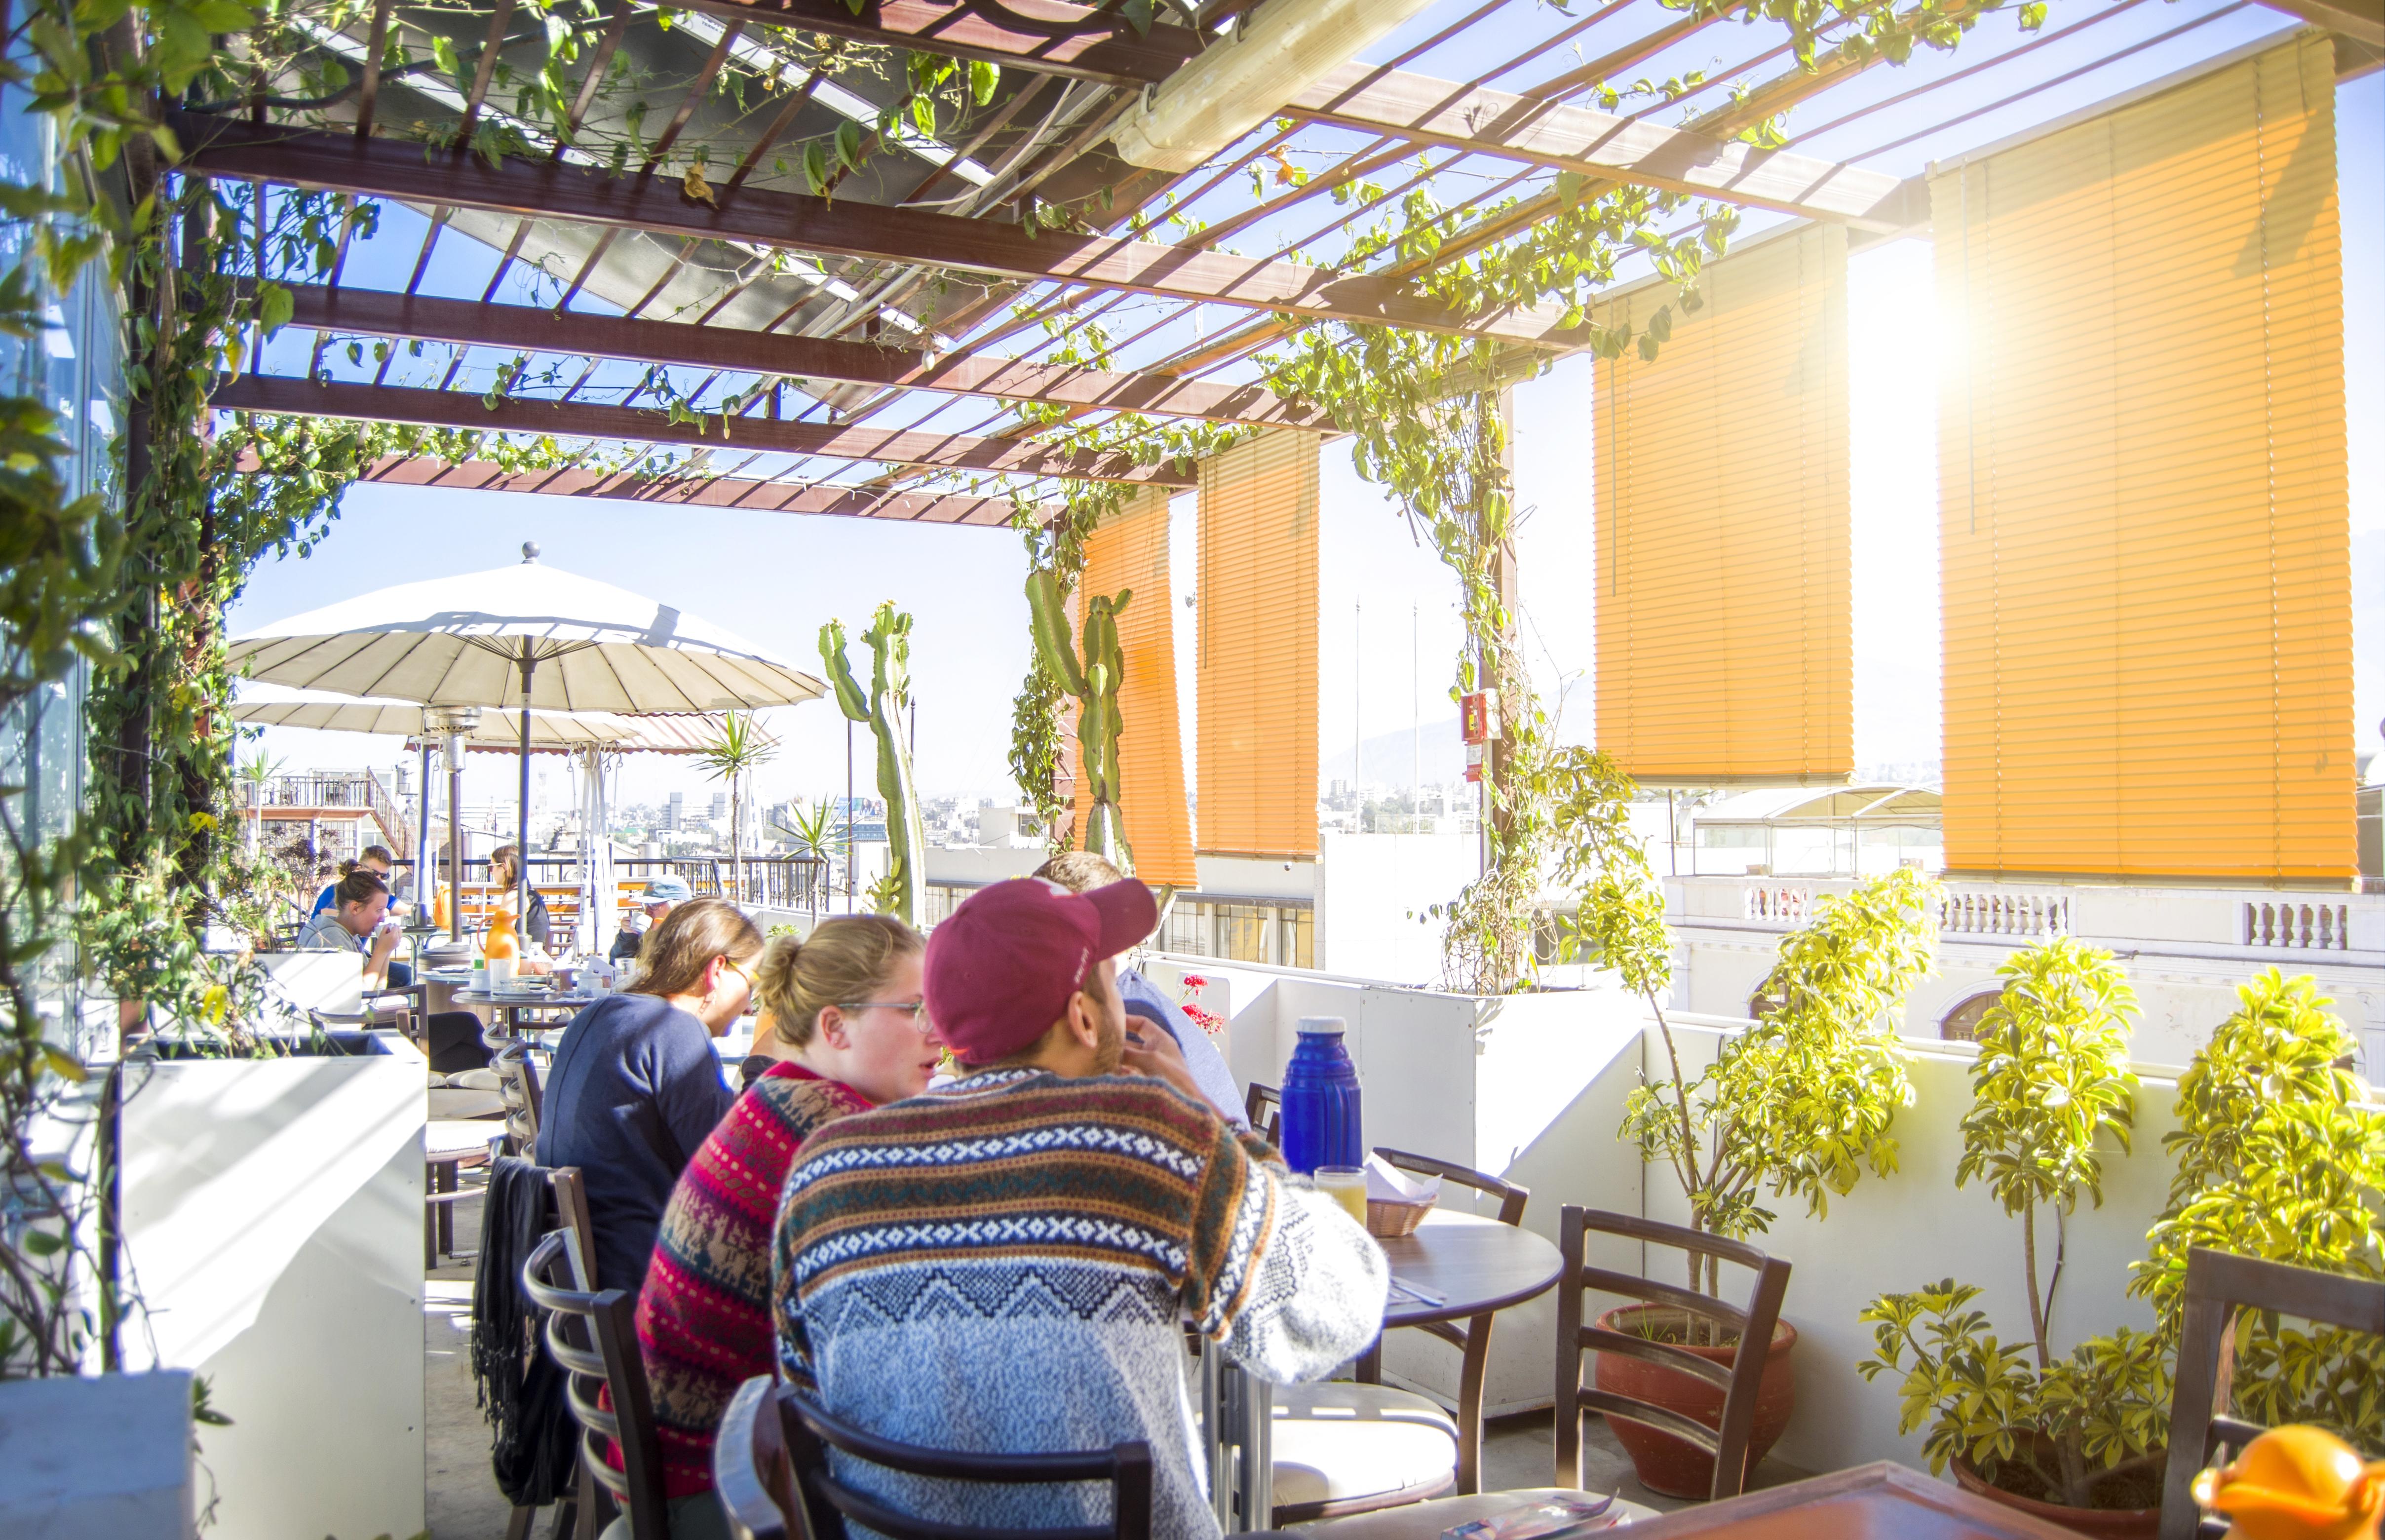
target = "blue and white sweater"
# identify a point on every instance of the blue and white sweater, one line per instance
(1004, 1265)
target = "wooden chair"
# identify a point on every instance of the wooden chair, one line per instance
(1263, 1105)
(525, 1102)
(1739, 1383)
(770, 1470)
(593, 1337)
(2219, 1285)
(1343, 1449)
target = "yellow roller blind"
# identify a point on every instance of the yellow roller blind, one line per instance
(1129, 550)
(1723, 612)
(1257, 665)
(2145, 547)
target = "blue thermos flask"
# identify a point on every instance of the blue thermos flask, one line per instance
(1320, 1100)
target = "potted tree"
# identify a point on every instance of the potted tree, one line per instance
(2280, 1154)
(1797, 1107)
(2076, 1439)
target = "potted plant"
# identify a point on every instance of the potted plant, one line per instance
(1799, 1106)
(2280, 1154)
(2074, 1439)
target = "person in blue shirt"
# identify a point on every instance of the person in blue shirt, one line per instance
(636, 1086)
(374, 858)
(1080, 872)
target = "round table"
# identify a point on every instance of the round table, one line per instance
(513, 1003)
(1467, 1264)
(1470, 1263)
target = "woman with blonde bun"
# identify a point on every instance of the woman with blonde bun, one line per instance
(848, 1031)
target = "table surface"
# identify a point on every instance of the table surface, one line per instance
(1476, 1264)
(1869, 1502)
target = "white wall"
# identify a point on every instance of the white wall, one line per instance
(273, 1221)
(1373, 886)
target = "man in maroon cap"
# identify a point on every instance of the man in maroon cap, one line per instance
(1004, 1264)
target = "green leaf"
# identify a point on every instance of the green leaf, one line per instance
(848, 144)
(816, 167)
(274, 306)
(984, 76)
(1569, 187)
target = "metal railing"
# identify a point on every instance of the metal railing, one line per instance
(361, 789)
(770, 882)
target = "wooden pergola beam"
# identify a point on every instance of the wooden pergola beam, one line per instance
(1421, 108)
(706, 491)
(1047, 37)
(435, 408)
(554, 190)
(375, 313)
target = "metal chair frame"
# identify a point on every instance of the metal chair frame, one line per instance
(2219, 1284)
(770, 1470)
(1739, 1383)
(593, 1337)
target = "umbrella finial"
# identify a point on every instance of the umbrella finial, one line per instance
(530, 551)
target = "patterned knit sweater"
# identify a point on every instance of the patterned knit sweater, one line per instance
(1003, 1265)
(704, 1316)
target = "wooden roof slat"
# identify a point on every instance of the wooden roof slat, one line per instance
(790, 221)
(1049, 37)
(435, 408)
(1603, 143)
(375, 313)
(804, 497)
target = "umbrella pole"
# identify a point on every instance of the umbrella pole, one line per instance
(454, 752)
(424, 878)
(521, 816)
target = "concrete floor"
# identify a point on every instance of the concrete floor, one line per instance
(461, 1501)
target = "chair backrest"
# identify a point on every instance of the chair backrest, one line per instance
(2219, 1285)
(750, 1471)
(517, 1082)
(592, 1338)
(821, 1503)
(1739, 1383)
(1511, 1197)
(1263, 1105)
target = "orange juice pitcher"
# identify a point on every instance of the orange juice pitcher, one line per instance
(2295, 1484)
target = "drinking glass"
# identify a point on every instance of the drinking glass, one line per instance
(1347, 1184)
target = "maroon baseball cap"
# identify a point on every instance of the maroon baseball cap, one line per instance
(1000, 970)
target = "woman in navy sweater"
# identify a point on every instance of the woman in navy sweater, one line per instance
(636, 1087)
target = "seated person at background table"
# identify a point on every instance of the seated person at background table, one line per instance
(355, 922)
(636, 1088)
(1080, 872)
(664, 893)
(849, 1035)
(1006, 1264)
(374, 858)
(504, 871)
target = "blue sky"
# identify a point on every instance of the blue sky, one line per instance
(776, 579)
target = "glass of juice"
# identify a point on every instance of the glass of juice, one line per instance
(1348, 1186)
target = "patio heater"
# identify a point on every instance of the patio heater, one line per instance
(451, 722)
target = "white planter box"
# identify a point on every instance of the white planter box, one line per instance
(104, 1459)
(272, 1220)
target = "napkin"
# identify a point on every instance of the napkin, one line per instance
(1388, 1183)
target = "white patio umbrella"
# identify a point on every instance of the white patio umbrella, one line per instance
(530, 636)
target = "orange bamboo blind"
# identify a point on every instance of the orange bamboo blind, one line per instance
(1257, 665)
(1723, 612)
(2144, 506)
(1129, 550)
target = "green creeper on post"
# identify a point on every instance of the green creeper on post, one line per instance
(904, 894)
(1095, 686)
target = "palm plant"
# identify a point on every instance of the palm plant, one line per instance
(817, 832)
(739, 749)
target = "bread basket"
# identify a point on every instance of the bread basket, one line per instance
(1388, 1219)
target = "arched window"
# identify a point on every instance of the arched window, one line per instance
(1962, 1023)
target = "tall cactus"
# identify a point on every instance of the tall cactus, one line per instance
(1095, 684)
(889, 692)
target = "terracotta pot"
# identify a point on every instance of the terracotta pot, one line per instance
(1670, 1465)
(2105, 1523)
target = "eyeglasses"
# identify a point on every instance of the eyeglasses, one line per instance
(916, 1009)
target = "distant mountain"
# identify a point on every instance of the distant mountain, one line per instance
(1392, 757)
